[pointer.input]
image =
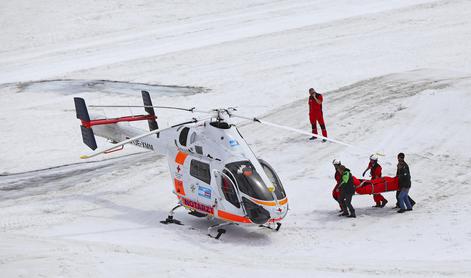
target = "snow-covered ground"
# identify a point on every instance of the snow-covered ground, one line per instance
(396, 76)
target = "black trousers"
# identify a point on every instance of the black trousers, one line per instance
(412, 202)
(346, 201)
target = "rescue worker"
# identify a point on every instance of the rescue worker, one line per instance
(346, 192)
(315, 113)
(405, 202)
(375, 172)
(336, 190)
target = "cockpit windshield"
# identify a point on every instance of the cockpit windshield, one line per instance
(249, 181)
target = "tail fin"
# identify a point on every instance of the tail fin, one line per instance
(150, 110)
(82, 113)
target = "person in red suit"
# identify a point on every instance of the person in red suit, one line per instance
(375, 172)
(315, 113)
(338, 177)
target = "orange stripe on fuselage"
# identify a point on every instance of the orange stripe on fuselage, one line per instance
(270, 203)
(233, 217)
(180, 158)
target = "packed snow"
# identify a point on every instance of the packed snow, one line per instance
(395, 75)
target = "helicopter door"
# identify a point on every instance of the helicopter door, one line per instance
(200, 181)
(228, 189)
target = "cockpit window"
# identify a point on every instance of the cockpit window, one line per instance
(249, 181)
(279, 190)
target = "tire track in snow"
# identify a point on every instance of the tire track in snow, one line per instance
(43, 181)
(76, 86)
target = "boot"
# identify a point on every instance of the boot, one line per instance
(352, 215)
(409, 209)
(412, 203)
(377, 205)
(313, 138)
(344, 214)
(401, 211)
(384, 203)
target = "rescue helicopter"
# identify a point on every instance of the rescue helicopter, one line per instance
(215, 174)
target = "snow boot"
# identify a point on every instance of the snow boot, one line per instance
(323, 140)
(352, 215)
(378, 205)
(313, 138)
(384, 203)
(344, 214)
(409, 209)
(401, 211)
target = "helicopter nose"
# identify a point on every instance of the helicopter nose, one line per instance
(256, 213)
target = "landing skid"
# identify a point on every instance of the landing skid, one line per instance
(220, 230)
(278, 226)
(170, 219)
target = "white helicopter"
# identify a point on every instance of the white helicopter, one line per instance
(215, 173)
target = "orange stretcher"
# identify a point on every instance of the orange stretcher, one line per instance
(378, 185)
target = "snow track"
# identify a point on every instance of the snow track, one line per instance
(113, 87)
(43, 181)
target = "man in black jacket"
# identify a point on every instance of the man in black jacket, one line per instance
(403, 174)
(346, 192)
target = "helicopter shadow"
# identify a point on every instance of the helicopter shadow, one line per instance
(150, 219)
(249, 235)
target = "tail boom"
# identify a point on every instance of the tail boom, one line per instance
(107, 121)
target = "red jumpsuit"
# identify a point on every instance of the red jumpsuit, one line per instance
(315, 114)
(375, 172)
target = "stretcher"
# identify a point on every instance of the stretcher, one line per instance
(374, 186)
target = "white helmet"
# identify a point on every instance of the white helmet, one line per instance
(336, 162)
(374, 157)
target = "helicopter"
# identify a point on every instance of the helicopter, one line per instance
(214, 171)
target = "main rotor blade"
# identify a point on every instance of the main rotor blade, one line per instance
(193, 109)
(303, 132)
(292, 129)
(122, 143)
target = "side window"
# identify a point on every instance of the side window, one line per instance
(228, 189)
(183, 136)
(192, 137)
(200, 170)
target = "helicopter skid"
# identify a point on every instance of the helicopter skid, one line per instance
(170, 219)
(220, 231)
(277, 228)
